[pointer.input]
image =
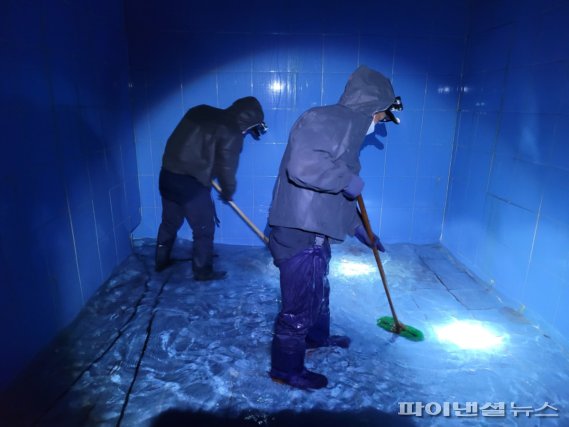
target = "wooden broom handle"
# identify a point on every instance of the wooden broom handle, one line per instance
(371, 237)
(242, 215)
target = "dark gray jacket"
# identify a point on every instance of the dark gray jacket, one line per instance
(207, 142)
(322, 155)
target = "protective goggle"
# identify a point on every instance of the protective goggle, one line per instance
(396, 106)
(258, 130)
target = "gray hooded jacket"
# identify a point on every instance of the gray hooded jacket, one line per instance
(322, 155)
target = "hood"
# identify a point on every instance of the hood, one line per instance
(247, 111)
(367, 92)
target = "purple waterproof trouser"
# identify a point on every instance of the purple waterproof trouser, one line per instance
(305, 312)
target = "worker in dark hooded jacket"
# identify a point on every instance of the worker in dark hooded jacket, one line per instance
(314, 203)
(205, 145)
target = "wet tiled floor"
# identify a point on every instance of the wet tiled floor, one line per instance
(159, 349)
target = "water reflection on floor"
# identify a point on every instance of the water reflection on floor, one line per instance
(163, 350)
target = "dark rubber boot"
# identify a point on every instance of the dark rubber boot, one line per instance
(288, 368)
(341, 341)
(303, 380)
(163, 257)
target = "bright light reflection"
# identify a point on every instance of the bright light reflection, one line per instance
(351, 268)
(276, 86)
(469, 335)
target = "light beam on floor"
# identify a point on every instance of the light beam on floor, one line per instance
(470, 335)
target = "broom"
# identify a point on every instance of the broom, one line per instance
(391, 324)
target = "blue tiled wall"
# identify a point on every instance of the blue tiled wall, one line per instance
(187, 53)
(68, 176)
(508, 202)
(74, 161)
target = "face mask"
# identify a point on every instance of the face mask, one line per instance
(256, 130)
(371, 128)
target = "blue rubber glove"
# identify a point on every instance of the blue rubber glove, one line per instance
(354, 187)
(361, 234)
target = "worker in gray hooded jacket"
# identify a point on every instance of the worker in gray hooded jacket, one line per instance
(205, 145)
(313, 203)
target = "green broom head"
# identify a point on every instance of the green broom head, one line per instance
(406, 331)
